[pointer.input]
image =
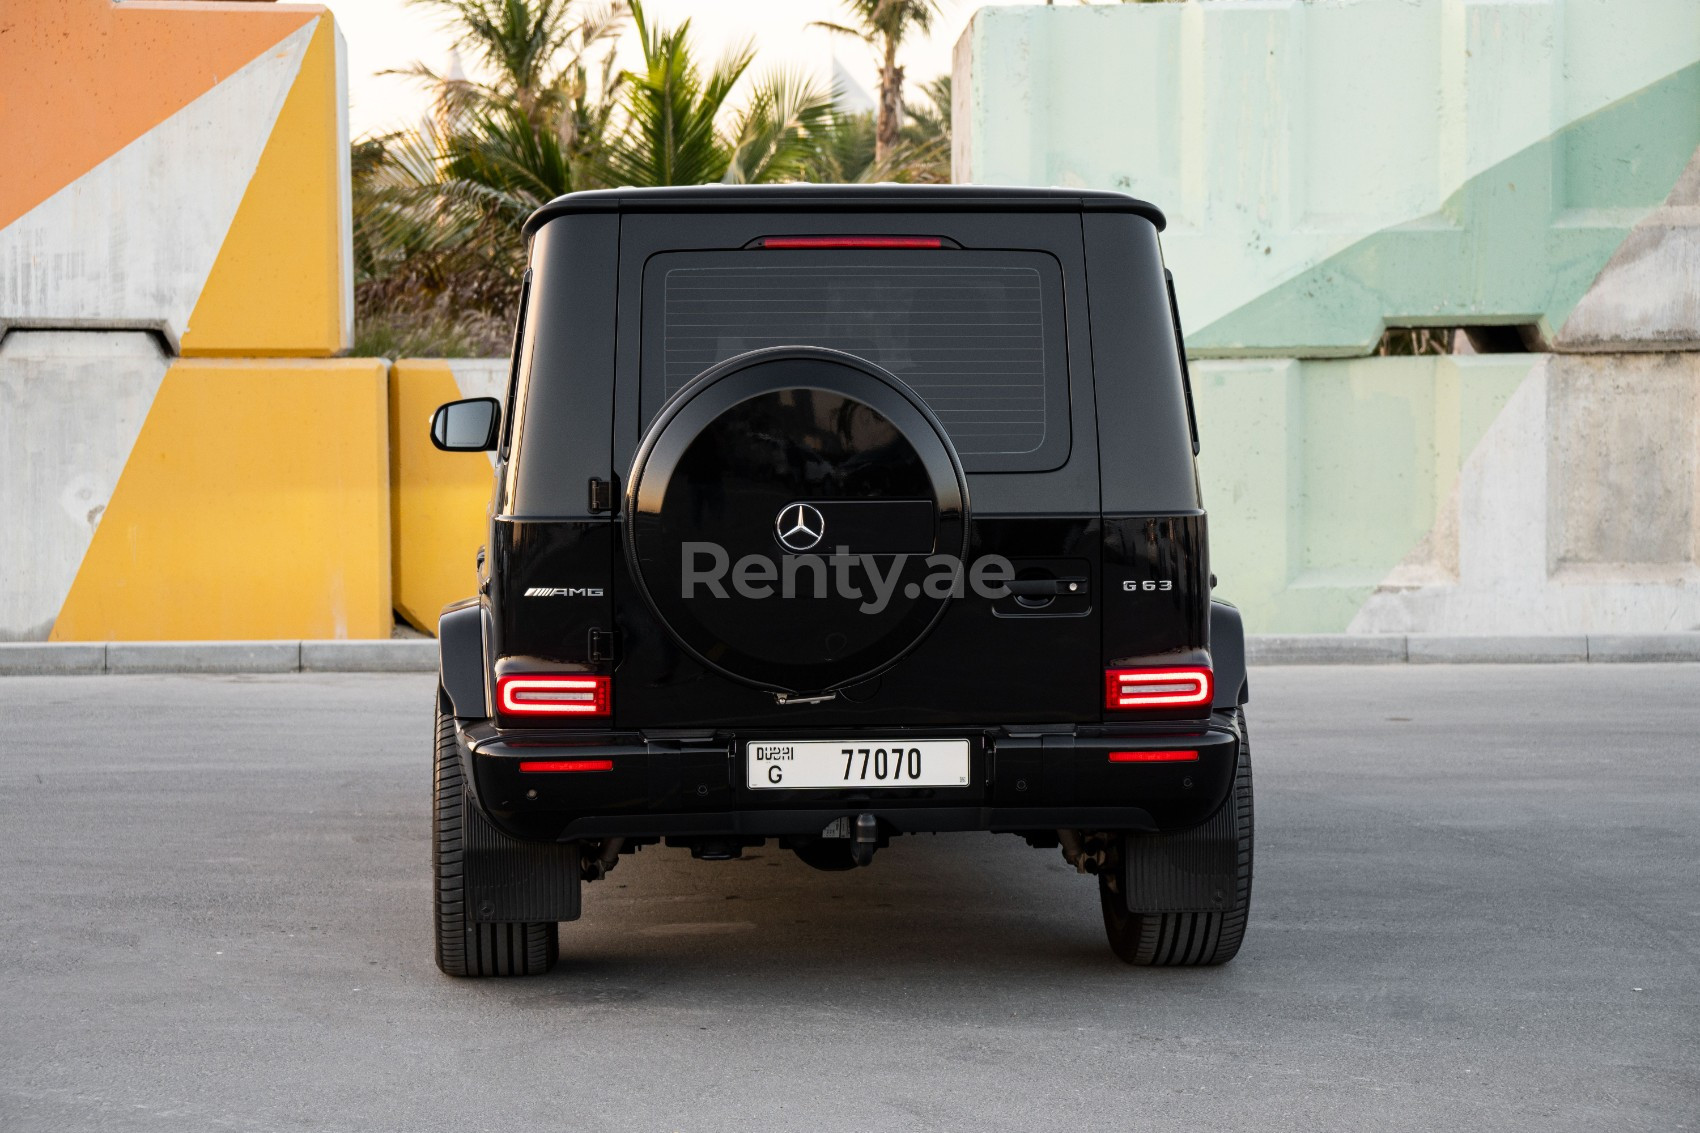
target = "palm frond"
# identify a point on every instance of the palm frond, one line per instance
(774, 135)
(841, 29)
(931, 118)
(669, 135)
(841, 150)
(506, 164)
(887, 19)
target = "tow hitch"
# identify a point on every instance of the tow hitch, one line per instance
(865, 840)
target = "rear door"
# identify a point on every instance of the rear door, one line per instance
(983, 317)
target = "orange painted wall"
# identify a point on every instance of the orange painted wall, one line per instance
(83, 78)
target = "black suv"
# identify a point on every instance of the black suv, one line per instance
(826, 514)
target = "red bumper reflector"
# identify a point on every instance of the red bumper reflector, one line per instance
(1188, 687)
(566, 765)
(852, 242)
(552, 694)
(1153, 757)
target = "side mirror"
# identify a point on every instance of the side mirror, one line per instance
(467, 426)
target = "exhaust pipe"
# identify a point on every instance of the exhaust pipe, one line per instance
(595, 869)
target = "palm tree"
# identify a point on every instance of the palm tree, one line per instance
(533, 53)
(438, 208)
(670, 137)
(433, 275)
(842, 150)
(884, 25)
(504, 167)
(439, 202)
(925, 149)
(776, 134)
(673, 134)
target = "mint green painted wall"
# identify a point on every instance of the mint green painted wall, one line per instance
(1320, 477)
(1518, 243)
(1331, 167)
(1327, 166)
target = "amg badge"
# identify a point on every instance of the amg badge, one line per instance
(564, 592)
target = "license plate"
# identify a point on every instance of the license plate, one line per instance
(790, 764)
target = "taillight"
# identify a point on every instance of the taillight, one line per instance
(1190, 687)
(538, 694)
(566, 765)
(852, 242)
(1153, 757)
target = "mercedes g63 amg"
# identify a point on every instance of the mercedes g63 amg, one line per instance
(828, 514)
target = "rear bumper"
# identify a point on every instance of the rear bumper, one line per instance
(669, 785)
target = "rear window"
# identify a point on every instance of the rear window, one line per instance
(978, 335)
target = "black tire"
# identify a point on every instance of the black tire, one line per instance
(1186, 940)
(465, 947)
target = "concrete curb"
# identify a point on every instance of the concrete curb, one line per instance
(1644, 647)
(1541, 649)
(398, 655)
(1462, 649)
(203, 656)
(52, 657)
(419, 655)
(1324, 649)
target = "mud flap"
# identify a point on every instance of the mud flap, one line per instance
(1192, 871)
(512, 880)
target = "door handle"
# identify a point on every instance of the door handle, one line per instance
(1046, 587)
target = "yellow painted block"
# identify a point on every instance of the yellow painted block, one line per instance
(439, 501)
(280, 284)
(254, 504)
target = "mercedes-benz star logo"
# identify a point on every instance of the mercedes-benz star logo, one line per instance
(799, 527)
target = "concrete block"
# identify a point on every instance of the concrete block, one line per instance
(71, 407)
(1578, 512)
(438, 500)
(208, 197)
(254, 507)
(1637, 302)
(1325, 649)
(1622, 460)
(25, 657)
(410, 655)
(1483, 649)
(203, 656)
(1644, 647)
(1325, 479)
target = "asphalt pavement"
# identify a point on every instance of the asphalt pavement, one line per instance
(1476, 906)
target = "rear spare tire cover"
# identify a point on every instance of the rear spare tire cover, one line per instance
(786, 517)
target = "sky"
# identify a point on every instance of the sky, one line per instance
(384, 34)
